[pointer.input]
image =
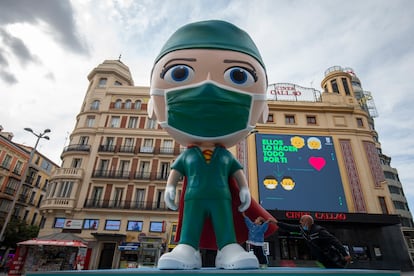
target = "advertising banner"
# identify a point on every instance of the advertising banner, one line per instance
(298, 172)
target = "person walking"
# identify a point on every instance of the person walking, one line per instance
(327, 249)
(255, 240)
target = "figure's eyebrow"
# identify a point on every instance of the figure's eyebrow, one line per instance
(166, 67)
(239, 61)
(180, 59)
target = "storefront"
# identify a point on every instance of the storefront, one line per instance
(129, 254)
(61, 251)
(375, 241)
(144, 253)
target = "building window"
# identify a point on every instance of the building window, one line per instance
(90, 121)
(164, 171)
(360, 122)
(334, 86)
(151, 124)
(26, 214)
(139, 198)
(34, 219)
(128, 104)
(83, 140)
(137, 105)
(118, 197)
(6, 162)
(95, 105)
(144, 169)
(290, 119)
(383, 205)
(167, 146)
(346, 87)
(96, 196)
(311, 120)
(65, 189)
(117, 83)
(270, 118)
(18, 168)
(160, 199)
(76, 163)
(133, 121)
(38, 179)
(118, 104)
(148, 146)
(102, 82)
(115, 121)
(31, 199)
(124, 168)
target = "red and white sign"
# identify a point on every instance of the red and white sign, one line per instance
(292, 92)
(73, 224)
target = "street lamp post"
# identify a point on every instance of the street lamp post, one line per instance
(24, 175)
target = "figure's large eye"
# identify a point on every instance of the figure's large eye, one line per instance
(178, 73)
(239, 76)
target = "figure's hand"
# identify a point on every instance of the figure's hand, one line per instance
(245, 199)
(169, 197)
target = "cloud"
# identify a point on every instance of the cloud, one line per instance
(56, 18)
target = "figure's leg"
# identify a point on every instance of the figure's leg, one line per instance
(230, 255)
(186, 255)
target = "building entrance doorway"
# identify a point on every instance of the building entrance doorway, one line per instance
(107, 255)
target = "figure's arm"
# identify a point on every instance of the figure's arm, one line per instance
(288, 226)
(244, 193)
(169, 195)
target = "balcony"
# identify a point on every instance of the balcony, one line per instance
(122, 174)
(57, 203)
(126, 204)
(71, 173)
(77, 147)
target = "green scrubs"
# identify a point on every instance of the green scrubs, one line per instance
(207, 195)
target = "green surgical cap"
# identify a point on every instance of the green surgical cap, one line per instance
(211, 34)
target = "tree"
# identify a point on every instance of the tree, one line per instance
(17, 231)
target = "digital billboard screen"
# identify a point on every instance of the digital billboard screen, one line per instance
(299, 172)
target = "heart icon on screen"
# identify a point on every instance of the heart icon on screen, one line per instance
(317, 162)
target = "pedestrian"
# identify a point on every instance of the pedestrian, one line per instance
(326, 248)
(255, 240)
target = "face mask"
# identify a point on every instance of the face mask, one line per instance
(208, 110)
(305, 227)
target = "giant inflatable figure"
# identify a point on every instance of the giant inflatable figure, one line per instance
(208, 91)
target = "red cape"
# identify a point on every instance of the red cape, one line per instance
(208, 238)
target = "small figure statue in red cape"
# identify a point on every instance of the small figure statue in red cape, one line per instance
(208, 91)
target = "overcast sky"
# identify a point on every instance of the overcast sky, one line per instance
(47, 49)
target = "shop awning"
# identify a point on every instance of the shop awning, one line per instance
(57, 239)
(53, 242)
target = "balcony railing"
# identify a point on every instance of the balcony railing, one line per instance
(126, 204)
(106, 148)
(63, 203)
(120, 174)
(77, 147)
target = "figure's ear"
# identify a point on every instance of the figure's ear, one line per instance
(150, 109)
(265, 114)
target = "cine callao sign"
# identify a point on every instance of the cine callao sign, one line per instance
(316, 215)
(292, 92)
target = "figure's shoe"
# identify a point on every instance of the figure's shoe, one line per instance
(233, 256)
(183, 256)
